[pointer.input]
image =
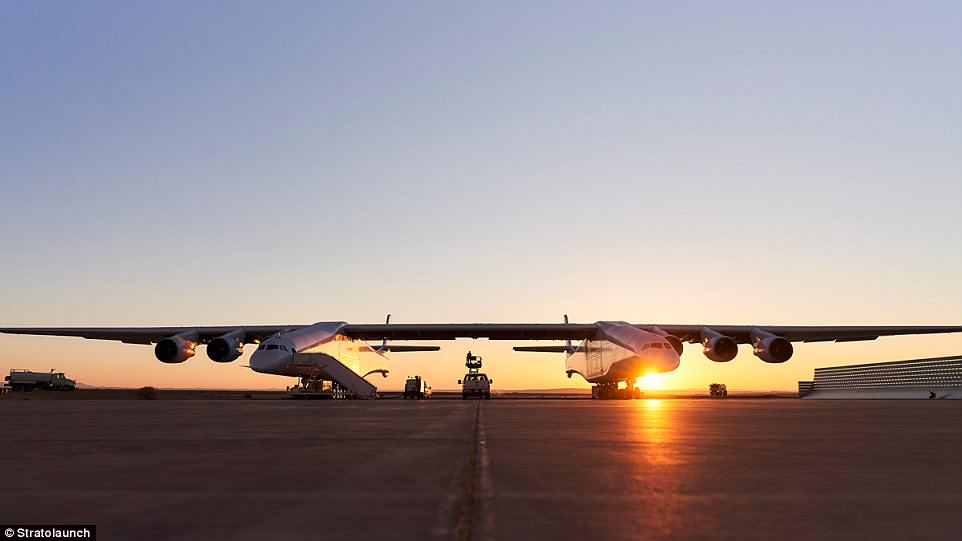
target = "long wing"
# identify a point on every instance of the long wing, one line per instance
(580, 331)
(492, 331)
(149, 335)
(363, 331)
(452, 331)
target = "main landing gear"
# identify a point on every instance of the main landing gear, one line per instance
(310, 387)
(610, 391)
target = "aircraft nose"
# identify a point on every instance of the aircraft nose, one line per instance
(266, 361)
(257, 362)
(671, 360)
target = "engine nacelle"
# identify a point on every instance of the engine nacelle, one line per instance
(176, 349)
(228, 347)
(717, 346)
(771, 348)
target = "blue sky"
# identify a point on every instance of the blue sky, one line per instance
(206, 163)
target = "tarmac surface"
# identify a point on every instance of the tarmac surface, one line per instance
(498, 469)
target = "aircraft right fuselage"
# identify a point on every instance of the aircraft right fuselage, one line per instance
(620, 352)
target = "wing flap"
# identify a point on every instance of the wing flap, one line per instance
(148, 335)
(742, 333)
(543, 349)
(856, 338)
(395, 348)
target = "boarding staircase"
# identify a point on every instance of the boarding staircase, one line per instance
(348, 380)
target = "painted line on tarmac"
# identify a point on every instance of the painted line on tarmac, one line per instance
(464, 528)
(454, 514)
(485, 509)
(467, 502)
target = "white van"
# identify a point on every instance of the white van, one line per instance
(476, 385)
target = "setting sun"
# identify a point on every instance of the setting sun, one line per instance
(649, 381)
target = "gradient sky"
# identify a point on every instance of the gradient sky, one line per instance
(181, 163)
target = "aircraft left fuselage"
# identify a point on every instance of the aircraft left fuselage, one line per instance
(305, 352)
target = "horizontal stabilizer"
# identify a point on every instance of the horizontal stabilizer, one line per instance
(394, 348)
(856, 338)
(545, 349)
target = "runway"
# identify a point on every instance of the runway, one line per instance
(499, 469)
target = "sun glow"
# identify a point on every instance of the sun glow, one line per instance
(649, 382)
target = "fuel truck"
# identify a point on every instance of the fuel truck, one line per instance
(25, 380)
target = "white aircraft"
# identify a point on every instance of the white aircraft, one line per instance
(609, 352)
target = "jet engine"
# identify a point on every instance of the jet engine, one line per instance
(228, 347)
(771, 348)
(718, 347)
(176, 349)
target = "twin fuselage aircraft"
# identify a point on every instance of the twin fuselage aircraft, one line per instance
(607, 352)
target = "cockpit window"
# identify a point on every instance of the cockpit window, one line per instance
(656, 346)
(272, 346)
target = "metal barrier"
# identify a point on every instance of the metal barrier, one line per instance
(932, 374)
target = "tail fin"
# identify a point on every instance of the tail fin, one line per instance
(387, 348)
(567, 349)
(384, 341)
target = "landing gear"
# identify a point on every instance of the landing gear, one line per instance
(313, 387)
(312, 384)
(604, 391)
(610, 391)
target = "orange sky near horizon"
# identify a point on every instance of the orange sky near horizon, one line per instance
(730, 291)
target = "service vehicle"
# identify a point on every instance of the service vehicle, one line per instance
(25, 380)
(416, 388)
(476, 385)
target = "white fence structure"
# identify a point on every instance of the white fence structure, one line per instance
(933, 378)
